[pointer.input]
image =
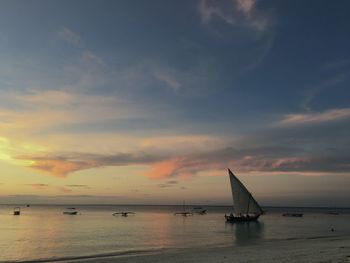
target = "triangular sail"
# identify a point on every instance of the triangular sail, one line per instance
(244, 202)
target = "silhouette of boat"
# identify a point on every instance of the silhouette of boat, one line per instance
(199, 210)
(184, 212)
(17, 211)
(246, 208)
(293, 214)
(125, 214)
(70, 211)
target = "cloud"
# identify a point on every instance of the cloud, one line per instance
(234, 13)
(316, 117)
(76, 41)
(341, 77)
(246, 6)
(170, 183)
(38, 185)
(41, 98)
(70, 37)
(167, 78)
(36, 111)
(62, 165)
(59, 167)
(88, 55)
(77, 185)
(256, 159)
(64, 199)
(163, 169)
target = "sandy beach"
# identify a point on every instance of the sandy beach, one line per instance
(321, 249)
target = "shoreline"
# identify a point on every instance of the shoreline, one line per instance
(313, 249)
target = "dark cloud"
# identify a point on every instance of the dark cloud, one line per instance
(172, 182)
(169, 183)
(323, 147)
(63, 164)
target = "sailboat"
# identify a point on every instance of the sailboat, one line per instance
(123, 213)
(184, 212)
(246, 208)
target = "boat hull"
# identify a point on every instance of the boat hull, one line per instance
(292, 214)
(70, 213)
(237, 219)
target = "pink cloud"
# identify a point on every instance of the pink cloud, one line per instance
(246, 6)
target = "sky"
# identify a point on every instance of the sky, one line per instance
(149, 102)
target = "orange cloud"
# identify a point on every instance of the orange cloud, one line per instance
(163, 169)
(60, 168)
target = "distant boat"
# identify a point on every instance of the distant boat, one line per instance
(246, 208)
(199, 210)
(125, 214)
(333, 213)
(70, 211)
(293, 214)
(17, 211)
(184, 212)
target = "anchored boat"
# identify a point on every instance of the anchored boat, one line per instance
(123, 213)
(246, 208)
(184, 212)
(17, 211)
(70, 211)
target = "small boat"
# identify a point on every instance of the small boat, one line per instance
(70, 211)
(125, 214)
(184, 212)
(293, 214)
(199, 210)
(246, 208)
(333, 213)
(17, 211)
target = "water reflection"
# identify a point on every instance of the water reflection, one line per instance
(246, 233)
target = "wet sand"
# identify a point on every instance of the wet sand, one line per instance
(320, 249)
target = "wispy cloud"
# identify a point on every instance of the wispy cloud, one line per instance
(70, 37)
(340, 74)
(258, 159)
(41, 186)
(38, 185)
(90, 56)
(246, 6)
(170, 183)
(315, 117)
(42, 109)
(75, 40)
(61, 166)
(77, 185)
(233, 12)
(167, 78)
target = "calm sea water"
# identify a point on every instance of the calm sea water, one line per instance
(44, 232)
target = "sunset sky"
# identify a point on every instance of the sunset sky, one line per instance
(149, 102)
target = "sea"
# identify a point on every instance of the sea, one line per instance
(44, 233)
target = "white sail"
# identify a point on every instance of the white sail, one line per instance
(244, 203)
